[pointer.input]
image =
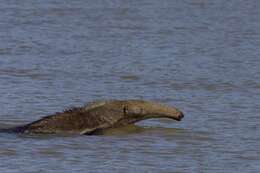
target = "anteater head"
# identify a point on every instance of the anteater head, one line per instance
(147, 109)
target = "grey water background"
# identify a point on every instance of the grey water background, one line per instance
(201, 56)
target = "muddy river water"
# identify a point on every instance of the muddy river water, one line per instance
(201, 56)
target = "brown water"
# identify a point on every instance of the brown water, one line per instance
(201, 56)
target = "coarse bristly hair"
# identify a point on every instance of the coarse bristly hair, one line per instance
(88, 106)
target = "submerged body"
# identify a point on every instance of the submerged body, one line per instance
(99, 115)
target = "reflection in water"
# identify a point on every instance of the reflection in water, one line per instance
(130, 129)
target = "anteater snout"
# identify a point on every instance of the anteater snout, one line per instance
(180, 116)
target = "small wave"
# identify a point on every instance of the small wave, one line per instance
(31, 73)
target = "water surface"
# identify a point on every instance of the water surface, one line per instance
(201, 56)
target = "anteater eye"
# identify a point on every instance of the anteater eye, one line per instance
(125, 110)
